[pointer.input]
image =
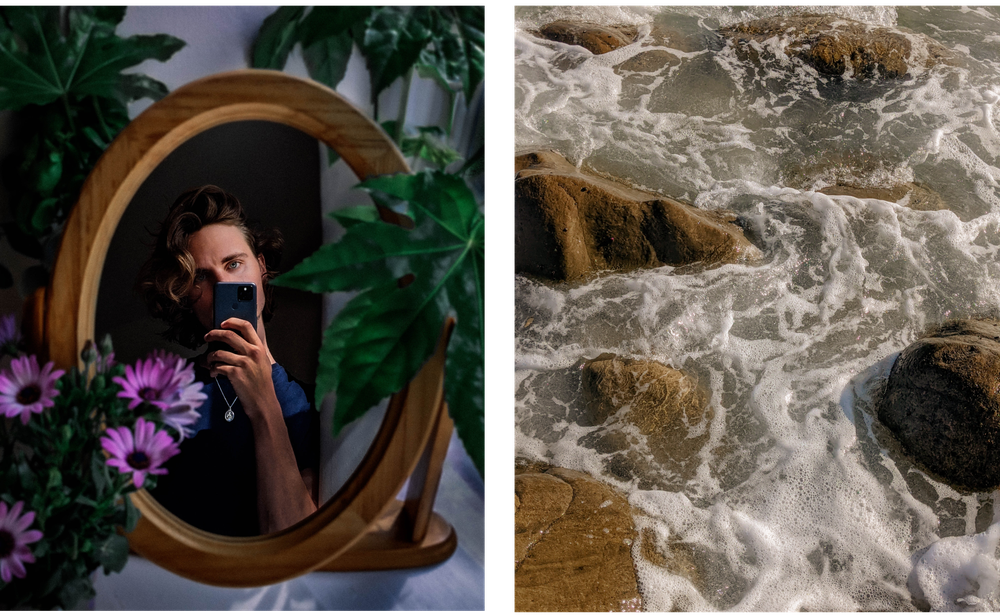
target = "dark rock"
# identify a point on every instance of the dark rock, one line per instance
(596, 38)
(569, 225)
(942, 402)
(833, 45)
(573, 536)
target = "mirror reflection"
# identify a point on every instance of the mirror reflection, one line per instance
(238, 203)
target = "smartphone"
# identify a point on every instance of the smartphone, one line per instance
(234, 299)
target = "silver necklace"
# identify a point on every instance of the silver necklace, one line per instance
(229, 413)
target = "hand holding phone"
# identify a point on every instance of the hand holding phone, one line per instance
(234, 299)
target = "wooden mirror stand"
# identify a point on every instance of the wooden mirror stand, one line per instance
(364, 526)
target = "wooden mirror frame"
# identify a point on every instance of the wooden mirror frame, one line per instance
(363, 526)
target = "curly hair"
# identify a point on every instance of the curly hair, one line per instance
(167, 277)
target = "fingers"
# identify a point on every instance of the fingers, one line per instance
(243, 328)
(238, 334)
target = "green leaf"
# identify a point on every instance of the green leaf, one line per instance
(98, 472)
(337, 335)
(349, 216)
(49, 170)
(378, 342)
(355, 262)
(392, 44)
(278, 35)
(134, 86)
(88, 59)
(30, 78)
(44, 215)
(326, 59)
(55, 480)
(388, 346)
(475, 165)
(132, 514)
(443, 196)
(428, 146)
(472, 30)
(103, 60)
(75, 592)
(331, 21)
(112, 553)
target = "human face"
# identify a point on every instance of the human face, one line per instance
(221, 254)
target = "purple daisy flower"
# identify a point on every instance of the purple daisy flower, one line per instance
(184, 412)
(166, 381)
(14, 540)
(148, 381)
(28, 390)
(142, 455)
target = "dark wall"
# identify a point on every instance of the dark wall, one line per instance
(274, 171)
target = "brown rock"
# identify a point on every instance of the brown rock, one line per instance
(666, 405)
(541, 499)
(942, 401)
(912, 194)
(583, 561)
(596, 38)
(833, 44)
(569, 225)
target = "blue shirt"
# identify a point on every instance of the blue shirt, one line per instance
(212, 483)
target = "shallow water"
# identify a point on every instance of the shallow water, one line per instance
(798, 500)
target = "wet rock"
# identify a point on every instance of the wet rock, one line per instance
(579, 560)
(666, 405)
(836, 45)
(912, 194)
(569, 225)
(540, 500)
(706, 569)
(652, 61)
(595, 38)
(942, 402)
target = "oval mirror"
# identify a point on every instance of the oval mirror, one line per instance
(362, 522)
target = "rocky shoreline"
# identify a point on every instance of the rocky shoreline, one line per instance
(576, 542)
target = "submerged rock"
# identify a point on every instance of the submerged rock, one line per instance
(573, 538)
(913, 195)
(667, 406)
(942, 401)
(593, 37)
(569, 225)
(836, 45)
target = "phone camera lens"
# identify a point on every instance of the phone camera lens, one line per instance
(244, 293)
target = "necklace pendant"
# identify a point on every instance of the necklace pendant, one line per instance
(230, 414)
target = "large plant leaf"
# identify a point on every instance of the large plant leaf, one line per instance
(378, 342)
(455, 58)
(444, 197)
(39, 63)
(278, 35)
(392, 43)
(326, 59)
(331, 21)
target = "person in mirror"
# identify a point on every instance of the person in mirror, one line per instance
(253, 471)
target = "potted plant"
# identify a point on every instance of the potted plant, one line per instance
(73, 445)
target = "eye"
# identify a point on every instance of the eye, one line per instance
(199, 277)
(232, 265)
